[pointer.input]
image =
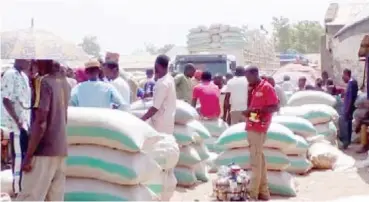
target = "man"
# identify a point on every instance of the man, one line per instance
(112, 74)
(319, 84)
(263, 102)
(287, 85)
(149, 83)
(348, 108)
(16, 100)
(96, 93)
(164, 98)
(325, 77)
(184, 83)
(69, 76)
(279, 91)
(47, 148)
(197, 77)
(228, 77)
(301, 84)
(236, 96)
(208, 93)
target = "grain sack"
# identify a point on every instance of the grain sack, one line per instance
(360, 113)
(201, 172)
(198, 36)
(215, 127)
(184, 135)
(299, 149)
(163, 185)
(311, 97)
(281, 183)
(202, 150)
(231, 35)
(185, 176)
(188, 156)
(165, 152)
(83, 189)
(115, 166)
(315, 113)
(323, 155)
(138, 113)
(6, 178)
(210, 162)
(361, 99)
(184, 111)
(329, 131)
(298, 125)
(109, 128)
(278, 136)
(202, 132)
(275, 160)
(299, 165)
(212, 146)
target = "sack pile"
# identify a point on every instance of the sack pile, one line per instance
(216, 128)
(106, 158)
(216, 36)
(235, 141)
(311, 97)
(360, 111)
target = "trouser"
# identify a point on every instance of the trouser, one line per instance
(45, 181)
(258, 183)
(19, 144)
(237, 117)
(345, 130)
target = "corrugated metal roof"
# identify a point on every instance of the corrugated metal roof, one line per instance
(348, 12)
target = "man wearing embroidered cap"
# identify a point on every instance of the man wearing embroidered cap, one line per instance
(96, 93)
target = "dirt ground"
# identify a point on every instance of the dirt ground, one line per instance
(315, 186)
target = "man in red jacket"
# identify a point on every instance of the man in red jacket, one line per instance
(262, 103)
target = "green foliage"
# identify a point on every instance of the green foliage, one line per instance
(303, 36)
(91, 46)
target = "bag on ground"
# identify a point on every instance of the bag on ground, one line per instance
(165, 152)
(210, 162)
(202, 132)
(300, 148)
(298, 125)
(202, 150)
(323, 155)
(188, 156)
(185, 176)
(110, 128)
(278, 136)
(215, 127)
(115, 166)
(84, 189)
(311, 97)
(282, 183)
(184, 135)
(299, 165)
(163, 185)
(329, 131)
(213, 146)
(201, 172)
(275, 160)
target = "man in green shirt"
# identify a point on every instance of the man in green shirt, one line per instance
(184, 84)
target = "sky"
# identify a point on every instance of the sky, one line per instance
(125, 26)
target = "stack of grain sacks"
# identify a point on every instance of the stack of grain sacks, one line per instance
(216, 128)
(216, 36)
(106, 161)
(279, 137)
(361, 110)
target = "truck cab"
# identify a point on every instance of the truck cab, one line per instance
(214, 63)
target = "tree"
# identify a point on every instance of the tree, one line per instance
(91, 46)
(303, 36)
(153, 50)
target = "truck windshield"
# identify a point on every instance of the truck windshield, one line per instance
(216, 67)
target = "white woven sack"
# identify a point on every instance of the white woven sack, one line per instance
(185, 176)
(188, 156)
(315, 113)
(361, 99)
(215, 26)
(216, 127)
(299, 165)
(231, 34)
(165, 152)
(199, 42)
(298, 125)
(110, 128)
(235, 29)
(282, 183)
(223, 28)
(311, 97)
(213, 168)
(215, 45)
(323, 155)
(360, 113)
(84, 189)
(201, 172)
(199, 36)
(163, 185)
(215, 38)
(300, 148)
(114, 166)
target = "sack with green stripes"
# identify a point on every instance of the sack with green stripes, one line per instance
(84, 189)
(297, 125)
(185, 176)
(315, 113)
(188, 156)
(311, 97)
(202, 133)
(275, 160)
(328, 130)
(201, 172)
(110, 128)
(184, 135)
(300, 148)
(216, 127)
(163, 185)
(282, 183)
(278, 136)
(299, 165)
(103, 163)
(212, 145)
(202, 150)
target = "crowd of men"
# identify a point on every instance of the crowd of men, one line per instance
(36, 95)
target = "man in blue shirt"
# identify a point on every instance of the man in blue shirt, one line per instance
(348, 108)
(149, 83)
(96, 93)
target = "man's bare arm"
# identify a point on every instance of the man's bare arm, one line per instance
(151, 112)
(8, 105)
(37, 132)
